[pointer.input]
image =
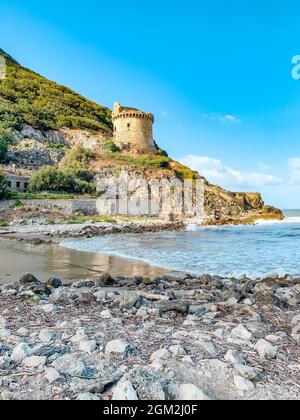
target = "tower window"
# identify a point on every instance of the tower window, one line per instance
(128, 125)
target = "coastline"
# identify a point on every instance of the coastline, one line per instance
(52, 260)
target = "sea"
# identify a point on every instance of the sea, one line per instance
(229, 251)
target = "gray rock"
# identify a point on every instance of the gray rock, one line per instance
(243, 384)
(22, 332)
(118, 347)
(234, 358)
(20, 352)
(71, 365)
(54, 282)
(34, 361)
(160, 354)
(52, 375)
(87, 346)
(128, 300)
(266, 350)
(27, 279)
(246, 372)
(190, 392)
(46, 335)
(241, 333)
(124, 391)
(87, 396)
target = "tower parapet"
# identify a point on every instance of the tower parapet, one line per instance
(133, 129)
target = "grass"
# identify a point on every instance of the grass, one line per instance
(95, 219)
(3, 224)
(146, 162)
(13, 195)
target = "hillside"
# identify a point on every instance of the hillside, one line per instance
(47, 120)
(28, 98)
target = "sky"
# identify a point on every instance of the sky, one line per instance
(217, 75)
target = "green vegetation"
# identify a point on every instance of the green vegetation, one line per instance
(17, 204)
(51, 179)
(78, 220)
(3, 224)
(6, 139)
(183, 172)
(145, 162)
(110, 147)
(15, 195)
(27, 97)
(76, 163)
(3, 184)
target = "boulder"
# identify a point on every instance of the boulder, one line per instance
(54, 282)
(266, 350)
(27, 279)
(128, 300)
(70, 365)
(87, 346)
(118, 347)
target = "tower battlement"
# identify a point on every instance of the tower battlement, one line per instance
(133, 129)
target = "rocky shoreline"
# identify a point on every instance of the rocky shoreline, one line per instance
(175, 337)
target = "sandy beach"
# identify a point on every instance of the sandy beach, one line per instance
(44, 261)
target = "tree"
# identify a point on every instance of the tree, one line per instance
(6, 138)
(3, 183)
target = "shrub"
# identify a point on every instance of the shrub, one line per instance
(49, 178)
(6, 138)
(3, 183)
(76, 163)
(110, 147)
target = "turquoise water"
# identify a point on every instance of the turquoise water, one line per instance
(227, 250)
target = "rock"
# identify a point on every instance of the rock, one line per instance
(128, 300)
(46, 335)
(287, 296)
(49, 308)
(87, 396)
(4, 362)
(78, 338)
(208, 347)
(106, 314)
(22, 332)
(246, 372)
(118, 347)
(234, 358)
(243, 384)
(241, 333)
(172, 306)
(190, 392)
(20, 352)
(70, 365)
(37, 288)
(54, 282)
(100, 295)
(61, 295)
(124, 391)
(83, 283)
(34, 361)
(27, 279)
(4, 333)
(85, 298)
(87, 346)
(177, 350)
(177, 276)
(266, 350)
(52, 375)
(160, 354)
(104, 280)
(148, 385)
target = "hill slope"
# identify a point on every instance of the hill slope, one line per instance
(28, 98)
(47, 119)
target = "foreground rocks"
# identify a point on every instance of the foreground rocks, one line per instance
(176, 337)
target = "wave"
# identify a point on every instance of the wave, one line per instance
(272, 222)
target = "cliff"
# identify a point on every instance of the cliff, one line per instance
(48, 119)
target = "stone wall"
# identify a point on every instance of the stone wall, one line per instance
(88, 206)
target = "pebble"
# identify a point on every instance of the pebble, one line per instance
(190, 392)
(52, 375)
(241, 333)
(46, 335)
(124, 391)
(243, 384)
(34, 361)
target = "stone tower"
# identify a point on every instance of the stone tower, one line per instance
(133, 129)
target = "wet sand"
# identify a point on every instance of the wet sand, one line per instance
(18, 258)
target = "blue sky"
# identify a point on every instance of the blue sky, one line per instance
(216, 74)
